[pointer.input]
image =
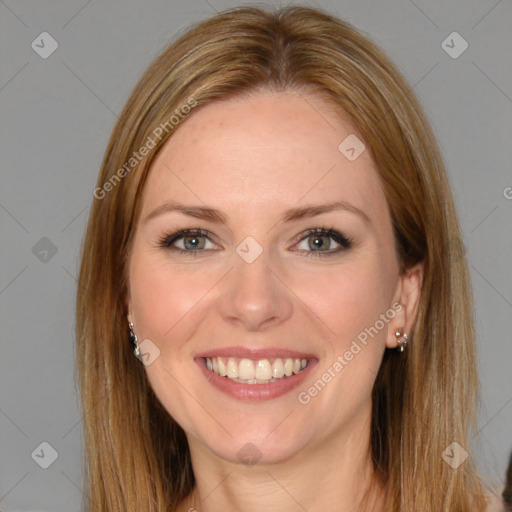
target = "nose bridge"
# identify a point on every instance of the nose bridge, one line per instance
(254, 295)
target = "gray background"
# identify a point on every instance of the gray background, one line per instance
(57, 114)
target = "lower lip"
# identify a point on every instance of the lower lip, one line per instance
(251, 392)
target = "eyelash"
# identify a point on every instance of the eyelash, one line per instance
(344, 242)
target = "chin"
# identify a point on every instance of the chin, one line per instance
(247, 452)
(271, 442)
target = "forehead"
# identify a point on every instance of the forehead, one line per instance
(265, 153)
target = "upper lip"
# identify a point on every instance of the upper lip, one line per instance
(255, 353)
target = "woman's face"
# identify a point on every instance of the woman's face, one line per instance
(258, 290)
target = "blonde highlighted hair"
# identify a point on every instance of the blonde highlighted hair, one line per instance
(136, 455)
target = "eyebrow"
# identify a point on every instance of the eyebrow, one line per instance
(290, 215)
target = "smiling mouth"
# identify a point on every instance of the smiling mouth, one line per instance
(255, 371)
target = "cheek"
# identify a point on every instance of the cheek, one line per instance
(161, 297)
(351, 301)
(349, 298)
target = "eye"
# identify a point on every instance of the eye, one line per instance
(191, 240)
(318, 242)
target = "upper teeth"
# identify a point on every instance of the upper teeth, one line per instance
(255, 371)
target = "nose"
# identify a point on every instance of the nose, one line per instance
(255, 296)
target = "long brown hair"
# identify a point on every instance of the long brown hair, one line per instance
(136, 456)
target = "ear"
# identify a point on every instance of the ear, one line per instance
(128, 307)
(406, 298)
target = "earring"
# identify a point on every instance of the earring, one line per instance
(401, 342)
(133, 339)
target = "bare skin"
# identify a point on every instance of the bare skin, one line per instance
(252, 159)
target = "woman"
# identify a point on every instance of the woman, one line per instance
(269, 375)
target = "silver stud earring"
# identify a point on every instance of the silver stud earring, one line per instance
(133, 339)
(402, 343)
